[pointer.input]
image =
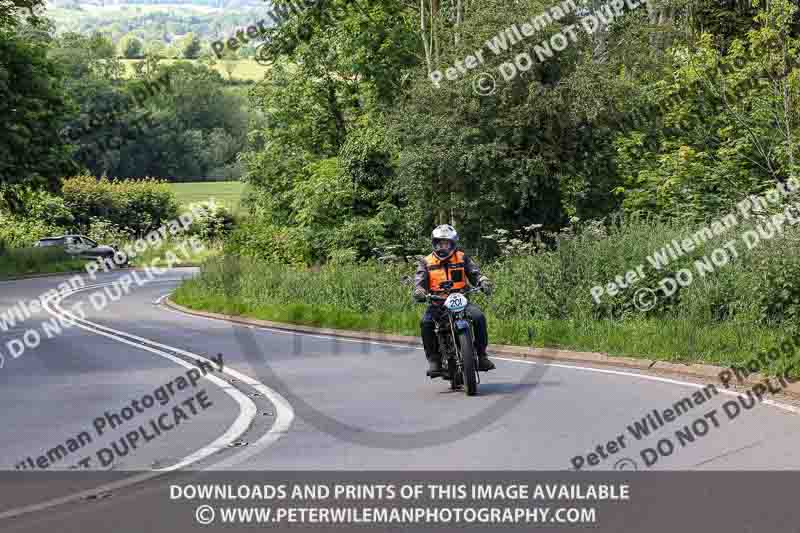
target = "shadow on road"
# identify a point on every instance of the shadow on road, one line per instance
(506, 389)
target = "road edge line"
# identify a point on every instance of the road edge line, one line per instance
(698, 371)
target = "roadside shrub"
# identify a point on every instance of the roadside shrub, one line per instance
(554, 281)
(106, 232)
(780, 298)
(342, 256)
(18, 232)
(211, 223)
(263, 241)
(43, 207)
(138, 205)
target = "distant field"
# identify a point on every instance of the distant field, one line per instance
(228, 193)
(143, 8)
(245, 69)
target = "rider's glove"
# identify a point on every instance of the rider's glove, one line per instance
(486, 285)
(420, 295)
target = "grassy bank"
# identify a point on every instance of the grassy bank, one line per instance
(26, 261)
(182, 250)
(542, 300)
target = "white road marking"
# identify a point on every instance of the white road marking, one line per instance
(281, 403)
(248, 412)
(284, 412)
(779, 405)
(774, 403)
(160, 299)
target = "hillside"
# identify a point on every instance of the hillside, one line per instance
(152, 22)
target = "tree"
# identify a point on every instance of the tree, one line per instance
(130, 47)
(14, 12)
(156, 48)
(33, 108)
(147, 68)
(190, 46)
(101, 46)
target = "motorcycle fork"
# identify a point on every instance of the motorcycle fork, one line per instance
(458, 346)
(442, 350)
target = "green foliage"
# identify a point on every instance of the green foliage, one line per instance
(729, 124)
(40, 206)
(190, 46)
(20, 232)
(155, 48)
(321, 169)
(780, 299)
(107, 232)
(138, 205)
(19, 262)
(33, 106)
(16, 12)
(154, 22)
(554, 279)
(523, 311)
(211, 223)
(258, 239)
(101, 46)
(192, 126)
(130, 47)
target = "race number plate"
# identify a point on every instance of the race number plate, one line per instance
(456, 302)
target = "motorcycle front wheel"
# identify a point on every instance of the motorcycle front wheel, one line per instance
(468, 364)
(454, 374)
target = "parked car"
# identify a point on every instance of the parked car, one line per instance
(79, 246)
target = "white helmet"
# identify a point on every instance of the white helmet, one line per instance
(445, 232)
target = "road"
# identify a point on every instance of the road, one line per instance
(290, 402)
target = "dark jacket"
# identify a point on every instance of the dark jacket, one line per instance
(471, 268)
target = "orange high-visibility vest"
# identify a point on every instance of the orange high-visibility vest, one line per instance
(451, 269)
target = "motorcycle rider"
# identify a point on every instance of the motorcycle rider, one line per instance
(446, 263)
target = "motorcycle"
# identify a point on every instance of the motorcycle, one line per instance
(454, 331)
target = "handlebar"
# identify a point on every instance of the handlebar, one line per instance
(435, 297)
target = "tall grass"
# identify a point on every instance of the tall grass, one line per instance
(543, 299)
(16, 262)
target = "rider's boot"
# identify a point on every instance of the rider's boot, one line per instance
(434, 367)
(484, 363)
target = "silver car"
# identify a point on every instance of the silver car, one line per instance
(79, 246)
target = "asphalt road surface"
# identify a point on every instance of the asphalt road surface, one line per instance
(282, 401)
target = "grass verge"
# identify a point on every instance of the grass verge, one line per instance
(27, 261)
(371, 297)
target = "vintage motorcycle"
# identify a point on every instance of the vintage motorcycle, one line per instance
(454, 331)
